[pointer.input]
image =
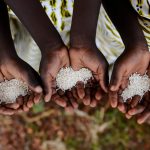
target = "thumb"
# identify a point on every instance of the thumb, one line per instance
(47, 82)
(103, 79)
(148, 70)
(116, 79)
(33, 80)
(76, 64)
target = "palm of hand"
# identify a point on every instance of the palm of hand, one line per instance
(140, 110)
(92, 59)
(128, 63)
(16, 68)
(51, 63)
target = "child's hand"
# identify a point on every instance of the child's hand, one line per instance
(52, 61)
(141, 110)
(144, 116)
(66, 100)
(94, 60)
(132, 60)
(14, 67)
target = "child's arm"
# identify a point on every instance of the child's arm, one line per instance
(125, 20)
(11, 66)
(83, 50)
(54, 52)
(135, 57)
(84, 22)
(33, 16)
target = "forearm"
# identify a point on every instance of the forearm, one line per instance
(33, 16)
(84, 22)
(6, 43)
(126, 21)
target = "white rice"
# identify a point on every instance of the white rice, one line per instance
(67, 78)
(11, 90)
(138, 85)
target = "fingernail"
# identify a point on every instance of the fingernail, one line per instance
(47, 98)
(139, 122)
(130, 113)
(38, 89)
(112, 88)
(114, 105)
(106, 90)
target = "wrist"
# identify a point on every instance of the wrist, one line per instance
(8, 54)
(50, 46)
(80, 41)
(6, 60)
(140, 46)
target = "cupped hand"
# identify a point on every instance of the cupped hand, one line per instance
(140, 109)
(132, 60)
(15, 68)
(52, 61)
(91, 58)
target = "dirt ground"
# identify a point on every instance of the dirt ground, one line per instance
(51, 128)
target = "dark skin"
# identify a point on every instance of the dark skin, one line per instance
(52, 47)
(11, 66)
(53, 50)
(135, 57)
(84, 53)
(142, 109)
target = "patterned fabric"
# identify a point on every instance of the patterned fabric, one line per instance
(108, 39)
(142, 7)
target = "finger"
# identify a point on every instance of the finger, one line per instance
(20, 110)
(20, 100)
(98, 94)
(128, 116)
(128, 102)
(116, 78)
(103, 79)
(93, 103)
(74, 92)
(33, 80)
(122, 107)
(148, 70)
(69, 109)
(144, 117)
(74, 103)
(137, 110)
(61, 101)
(120, 99)
(1, 77)
(145, 100)
(124, 83)
(30, 101)
(25, 108)
(87, 98)
(6, 111)
(47, 83)
(113, 99)
(135, 100)
(12, 106)
(60, 92)
(80, 90)
(72, 100)
(37, 98)
(6, 74)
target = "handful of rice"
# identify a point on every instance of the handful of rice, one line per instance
(138, 85)
(11, 90)
(67, 78)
